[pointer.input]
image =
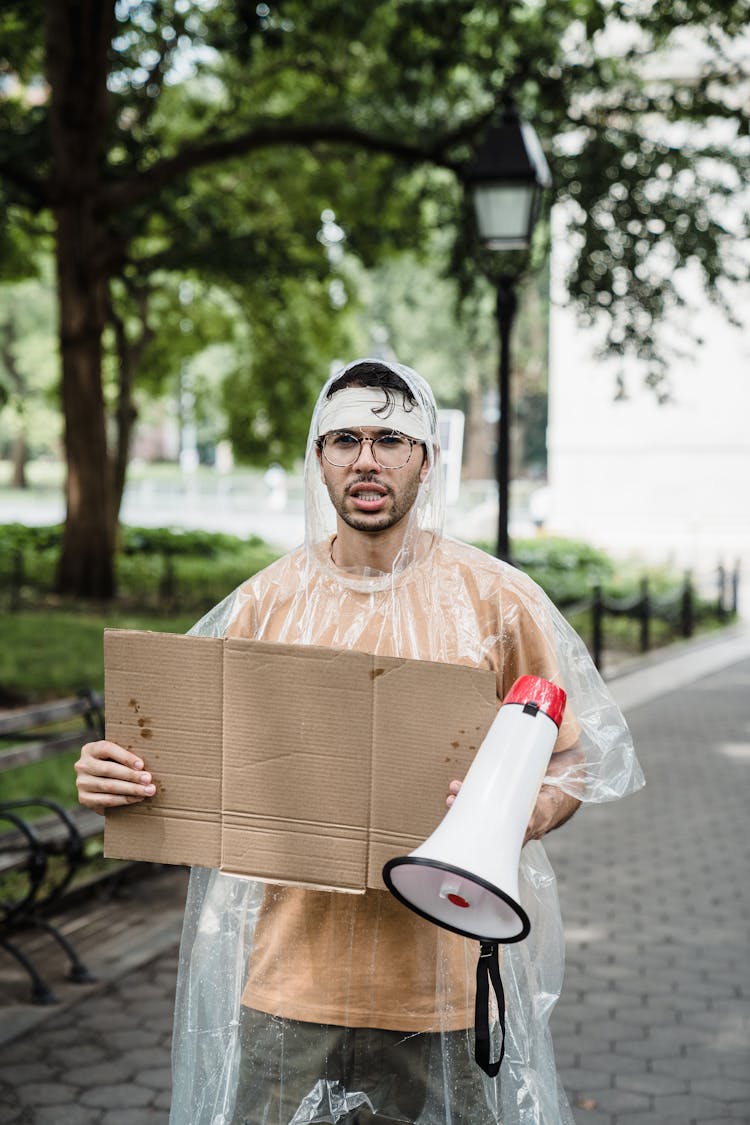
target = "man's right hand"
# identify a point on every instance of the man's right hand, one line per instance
(109, 775)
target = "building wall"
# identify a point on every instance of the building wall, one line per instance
(659, 482)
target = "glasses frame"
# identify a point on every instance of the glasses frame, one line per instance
(321, 443)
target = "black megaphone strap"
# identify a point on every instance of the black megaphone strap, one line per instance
(488, 974)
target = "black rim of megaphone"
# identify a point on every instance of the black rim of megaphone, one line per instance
(418, 861)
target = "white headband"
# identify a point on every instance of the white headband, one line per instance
(353, 407)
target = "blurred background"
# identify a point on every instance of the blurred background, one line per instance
(206, 207)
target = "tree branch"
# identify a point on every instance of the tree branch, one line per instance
(151, 181)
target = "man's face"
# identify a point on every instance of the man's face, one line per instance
(367, 497)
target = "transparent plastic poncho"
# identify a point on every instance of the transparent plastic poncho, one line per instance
(300, 1006)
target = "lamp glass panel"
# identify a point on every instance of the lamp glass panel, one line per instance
(503, 212)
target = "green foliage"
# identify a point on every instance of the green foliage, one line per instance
(231, 127)
(566, 569)
(159, 569)
(28, 361)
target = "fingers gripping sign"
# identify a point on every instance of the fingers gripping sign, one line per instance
(108, 775)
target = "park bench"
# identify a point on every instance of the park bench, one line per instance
(42, 843)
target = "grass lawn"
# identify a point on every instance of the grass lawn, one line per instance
(46, 654)
(49, 654)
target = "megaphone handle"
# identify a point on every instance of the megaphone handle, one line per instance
(488, 973)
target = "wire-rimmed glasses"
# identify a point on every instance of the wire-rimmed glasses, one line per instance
(341, 448)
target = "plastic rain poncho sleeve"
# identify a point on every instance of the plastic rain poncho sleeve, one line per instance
(299, 1006)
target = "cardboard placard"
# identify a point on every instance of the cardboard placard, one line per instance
(289, 763)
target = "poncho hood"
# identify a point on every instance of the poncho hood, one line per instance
(426, 518)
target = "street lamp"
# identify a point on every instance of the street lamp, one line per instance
(506, 178)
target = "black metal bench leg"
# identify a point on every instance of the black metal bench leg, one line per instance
(78, 973)
(41, 993)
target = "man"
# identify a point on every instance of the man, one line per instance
(297, 1006)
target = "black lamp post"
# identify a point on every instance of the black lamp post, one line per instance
(506, 177)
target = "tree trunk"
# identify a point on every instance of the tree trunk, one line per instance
(20, 457)
(478, 439)
(78, 34)
(129, 354)
(87, 560)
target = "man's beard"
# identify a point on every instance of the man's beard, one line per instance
(400, 507)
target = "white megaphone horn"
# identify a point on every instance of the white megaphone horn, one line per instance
(464, 877)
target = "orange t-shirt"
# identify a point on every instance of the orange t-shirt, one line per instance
(365, 960)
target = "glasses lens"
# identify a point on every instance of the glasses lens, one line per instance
(391, 451)
(341, 449)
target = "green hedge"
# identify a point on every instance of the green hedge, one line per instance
(157, 568)
(566, 569)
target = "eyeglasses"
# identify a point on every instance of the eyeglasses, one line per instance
(391, 451)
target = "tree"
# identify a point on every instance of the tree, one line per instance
(372, 108)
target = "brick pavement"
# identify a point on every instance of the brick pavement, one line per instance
(654, 1024)
(653, 1027)
(105, 1061)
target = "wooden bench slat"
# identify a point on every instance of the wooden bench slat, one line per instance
(14, 848)
(41, 714)
(29, 752)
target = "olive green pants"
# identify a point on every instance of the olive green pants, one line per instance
(294, 1073)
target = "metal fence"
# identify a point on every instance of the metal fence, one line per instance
(679, 609)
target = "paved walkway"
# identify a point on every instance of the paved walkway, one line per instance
(654, 1024)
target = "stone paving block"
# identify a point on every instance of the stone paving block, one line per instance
(591, 1117)
(24, 1073)
(134, 1037)
(648, 1049)
(651, 1119)
(688, 1106)
(739, 1068)
(136, 991)
(723, 1089)
(611, 999)
(158, 1078)
(15, 1052)
(134, 1117)
(97, 1019)
(156, 1008)
(82, 1054)
(654, 1084)
(125, 1096)
(9, 1113)
(66, 1115)
(46, 1093)
(54, 1036)
(104, 1073)
(610, 1062)
(138, 1059)
(685, 1034)
(638, 1019)
(620, 1101)
(607, 1030)
(586, 1078)
(709, 990)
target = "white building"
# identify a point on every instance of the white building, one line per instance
(663, 482)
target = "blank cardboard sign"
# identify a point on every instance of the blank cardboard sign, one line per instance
(289, 763)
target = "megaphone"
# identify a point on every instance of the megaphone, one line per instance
(464, 877)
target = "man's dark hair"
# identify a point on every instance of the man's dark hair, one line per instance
(370, 374)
